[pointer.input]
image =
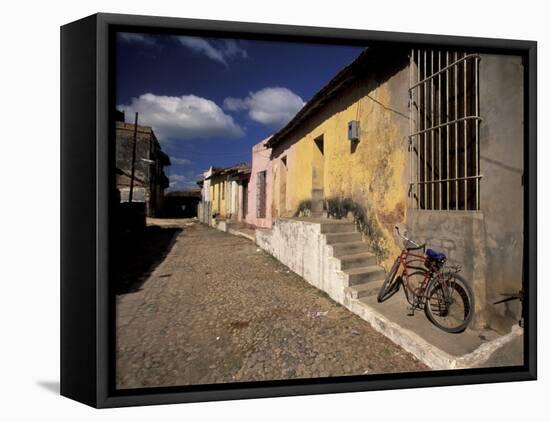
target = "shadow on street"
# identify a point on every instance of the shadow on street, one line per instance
(135, 255)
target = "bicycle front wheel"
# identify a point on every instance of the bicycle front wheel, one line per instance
(391, 283)
(449, 302)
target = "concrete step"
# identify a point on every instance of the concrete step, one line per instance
(337, 228)
(364, 259)
(349, 248)
(343, 237)
(364, 290)
(363, 275)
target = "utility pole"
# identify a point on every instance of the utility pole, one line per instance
(130, 197)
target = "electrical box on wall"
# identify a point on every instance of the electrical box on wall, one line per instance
(353, 130)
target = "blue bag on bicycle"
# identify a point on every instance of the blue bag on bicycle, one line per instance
(434, 260)
(436, 256)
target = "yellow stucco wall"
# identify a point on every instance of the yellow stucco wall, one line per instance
(373, 175)
(218, 196)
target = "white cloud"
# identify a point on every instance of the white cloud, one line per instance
(217, 50)
(234, 104)
(185, 117)
(180, 161)
(177, 180)
(188, 180)
(270, 106)
(132, 37)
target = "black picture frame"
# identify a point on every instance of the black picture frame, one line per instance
(87, 96)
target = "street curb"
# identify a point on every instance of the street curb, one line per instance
(426, 352)
(238, 233)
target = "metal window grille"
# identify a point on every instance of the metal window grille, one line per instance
(260, 194)
(444, 171)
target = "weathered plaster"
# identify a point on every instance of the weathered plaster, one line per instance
(260, 162)
(301, 246)
(370, 172)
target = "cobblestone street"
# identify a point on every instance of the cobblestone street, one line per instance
(217, 309)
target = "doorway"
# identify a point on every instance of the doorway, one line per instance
(317, 177)
(245, 201)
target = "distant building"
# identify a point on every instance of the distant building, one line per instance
(260, 187)
(204, 205)
(205, 183)
(181, 204)
(225, 185)
(224, 193)
(149, 177)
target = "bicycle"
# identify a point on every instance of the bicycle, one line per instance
(444, 295)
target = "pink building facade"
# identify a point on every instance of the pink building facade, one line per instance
(259, 188)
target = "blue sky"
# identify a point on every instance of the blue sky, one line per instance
(209, 99)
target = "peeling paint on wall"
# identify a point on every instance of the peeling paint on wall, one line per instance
(369, 172)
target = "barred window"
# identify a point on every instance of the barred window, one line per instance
(444, 121)
(260, 194)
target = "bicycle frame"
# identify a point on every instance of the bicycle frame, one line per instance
(434, 291)
(406, 258)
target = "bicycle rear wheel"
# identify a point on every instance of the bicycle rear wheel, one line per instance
(391, 283)
(449, 302)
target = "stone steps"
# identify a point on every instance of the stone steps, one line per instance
(342, 237)
(363, 259)
(348, 248)
(339, 227)
(363, 275)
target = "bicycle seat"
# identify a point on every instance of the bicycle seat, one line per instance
(436, 256)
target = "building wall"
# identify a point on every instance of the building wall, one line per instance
(232, 203)
(218, 200)
(205, 190)
(124, 149)
(240, 196)
(302, 247)
(370, 172)
(150, 174)
(502, 167)
(225, 195)
(260, 162)
(489, 243)
(204, 210)
(373, 173)
(501, 156)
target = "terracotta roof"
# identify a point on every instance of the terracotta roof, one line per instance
(241, 168)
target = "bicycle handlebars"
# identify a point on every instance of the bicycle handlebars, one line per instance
(409, 241)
